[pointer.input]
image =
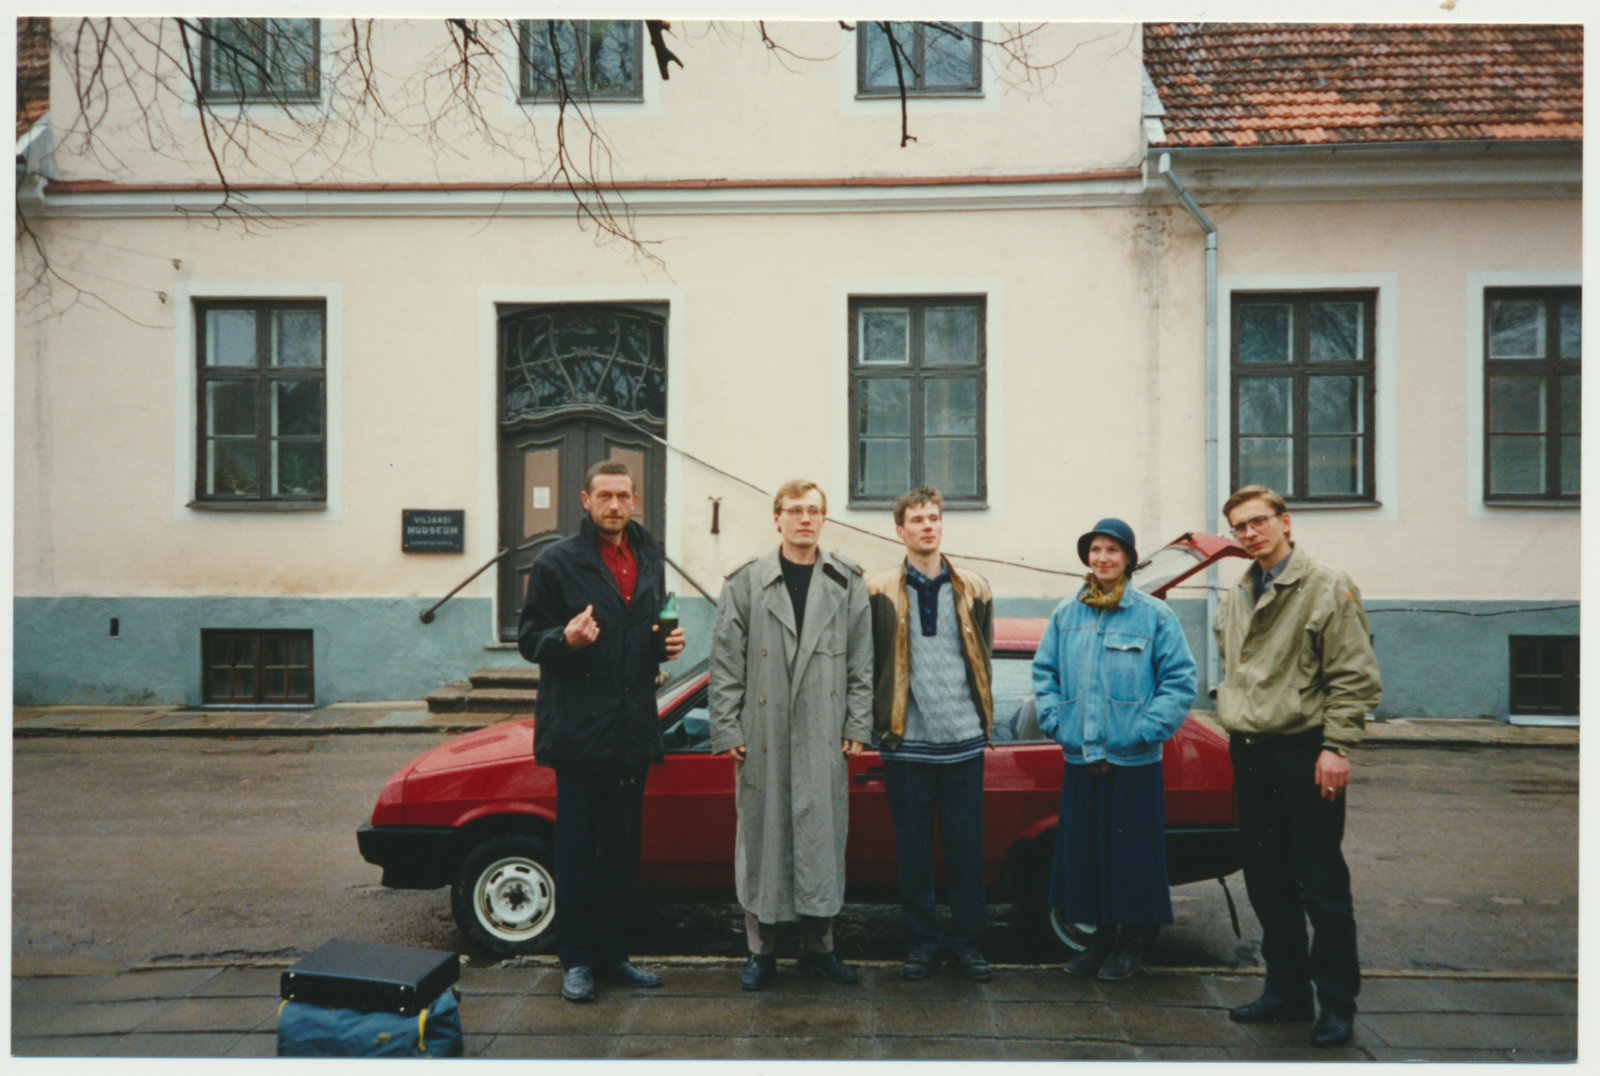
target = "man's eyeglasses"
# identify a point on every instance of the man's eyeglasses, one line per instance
(1252, 524)
(795, 511)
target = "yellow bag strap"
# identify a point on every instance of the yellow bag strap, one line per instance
(422, 1028)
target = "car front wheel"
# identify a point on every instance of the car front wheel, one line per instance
(1074, 937)
(1042, 921)
(504, 897)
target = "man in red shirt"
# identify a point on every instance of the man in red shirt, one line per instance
(590, 624)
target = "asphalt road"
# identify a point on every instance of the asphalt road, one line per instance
(147, 850)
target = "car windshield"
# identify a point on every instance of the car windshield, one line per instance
(688, 728)
(1167, 564)
(677, 680)
(1016, 720)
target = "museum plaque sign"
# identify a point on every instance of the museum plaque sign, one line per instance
(433, 530)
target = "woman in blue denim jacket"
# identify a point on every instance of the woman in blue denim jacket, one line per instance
(1114, 679)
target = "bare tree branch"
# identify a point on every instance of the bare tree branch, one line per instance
(897, 51)
(783, 52)
(664, 56)
(37, 291)
(141, 86)
(205, 127)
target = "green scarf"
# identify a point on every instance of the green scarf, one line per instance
(1095, 597)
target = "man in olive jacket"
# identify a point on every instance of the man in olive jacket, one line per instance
(590, 623)
(1299, 679)
(791, 701)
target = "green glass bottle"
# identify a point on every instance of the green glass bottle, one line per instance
(666, 624)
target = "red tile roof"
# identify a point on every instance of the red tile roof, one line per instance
(1267, 84)
(33, 71)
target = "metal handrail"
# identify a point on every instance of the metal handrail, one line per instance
(687, 578)
(426, 616)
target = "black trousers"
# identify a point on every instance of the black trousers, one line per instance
(952, 792)
(597, 859)
(1294, 870)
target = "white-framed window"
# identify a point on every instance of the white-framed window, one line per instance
(260, 60)
(592, 59)
(872, 299)
(1357, 420)
(917, 383)
(1532, 394)
(931, 59)
(256, 415)
(1303, 365)
(1514, 330)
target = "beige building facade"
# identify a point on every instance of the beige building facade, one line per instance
(227, 421)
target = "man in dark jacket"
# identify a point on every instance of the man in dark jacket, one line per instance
(590, 623)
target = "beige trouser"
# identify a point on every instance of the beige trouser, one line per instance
(816, 934)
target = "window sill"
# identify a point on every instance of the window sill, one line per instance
(894, 94)
(211, 99)
(1314, 506)
(582, 99)
(249, 707)
(1545, 720)
(888, 505)
(1532, 504)
(258, 506)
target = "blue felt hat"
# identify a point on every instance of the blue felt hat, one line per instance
(1116, 530)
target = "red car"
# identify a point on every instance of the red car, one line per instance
(476, 813)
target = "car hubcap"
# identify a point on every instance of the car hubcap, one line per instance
(515, 899)
(1075, 936)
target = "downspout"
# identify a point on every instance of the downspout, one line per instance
(1213, 493)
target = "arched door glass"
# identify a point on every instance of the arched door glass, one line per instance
(575, 356)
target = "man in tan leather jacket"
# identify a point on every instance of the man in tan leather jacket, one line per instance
(1299, 679)
(932, 635)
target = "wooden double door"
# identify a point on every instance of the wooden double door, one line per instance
(542, 473)
(578, 384)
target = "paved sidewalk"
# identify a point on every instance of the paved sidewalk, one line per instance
(410, 716)
(514, 1010)
(62, 1006)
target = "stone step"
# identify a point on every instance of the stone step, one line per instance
(499, 700)
(525, 676)
(449, 699)
(498, 689)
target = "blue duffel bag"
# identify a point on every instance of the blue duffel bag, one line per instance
(306, 1030)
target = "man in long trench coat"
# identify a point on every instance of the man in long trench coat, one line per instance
(791, 701)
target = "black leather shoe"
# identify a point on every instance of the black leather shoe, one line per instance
(759, 972)
(1333, 1028)
(920, 962)
(970, 965)
(1126, 959)
(1271, 1009)
(577, 984)
(1094, 954)
(827, 965)
(625, 973)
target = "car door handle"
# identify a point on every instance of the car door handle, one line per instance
(873, 774)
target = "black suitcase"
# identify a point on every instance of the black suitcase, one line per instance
(368, 977)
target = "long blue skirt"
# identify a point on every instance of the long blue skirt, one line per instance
(1111, 854)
